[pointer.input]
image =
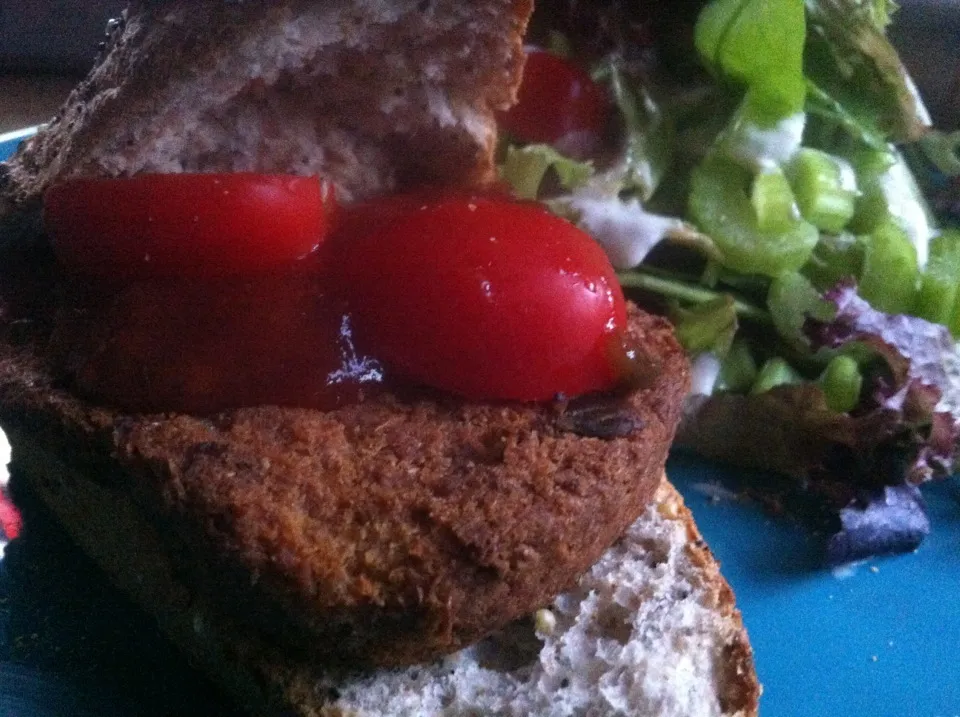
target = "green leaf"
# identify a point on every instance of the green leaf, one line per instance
(851, 62)
(758, 43)
(525, 168)
(847, 113)
(708, 327)
(720, 206)
(673, 287)
(836, 257)
(791, 300)
(649, 137)
(943, 150)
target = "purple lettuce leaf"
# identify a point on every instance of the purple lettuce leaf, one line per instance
(889, 520)
(850, 476)
(918, 377)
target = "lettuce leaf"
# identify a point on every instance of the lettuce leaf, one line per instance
(761, 45)
(525, 168)
(919, 381)
(855, 471)
(649, 141)
(708, 327)
(855, 74)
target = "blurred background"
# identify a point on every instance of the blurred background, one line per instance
(45, 45)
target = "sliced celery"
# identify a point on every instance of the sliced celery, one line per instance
(825, 188)
(870, 208)
(937, 299)
(759, 43)
(721, 206)
(706, 327)
(842, 382)
(775, 372)
(890, 273)
(739, 369)
(773, 201)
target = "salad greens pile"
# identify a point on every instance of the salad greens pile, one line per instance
(769, 205)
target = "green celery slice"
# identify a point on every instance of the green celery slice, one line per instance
(775, 372)
(842, 383)
(826, 200)
(890, 273)
(721, 207)
(773, 201)
(937, 300)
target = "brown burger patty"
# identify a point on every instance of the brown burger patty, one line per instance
(387, 532)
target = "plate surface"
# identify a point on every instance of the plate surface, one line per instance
(879, 638)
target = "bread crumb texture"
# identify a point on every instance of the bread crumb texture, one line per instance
(651, 629)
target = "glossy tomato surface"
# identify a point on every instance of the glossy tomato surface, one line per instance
(186, 225)
(485, 298)
(557, 102)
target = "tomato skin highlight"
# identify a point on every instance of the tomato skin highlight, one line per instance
(489, 299)
(186, 225)
(557, 101)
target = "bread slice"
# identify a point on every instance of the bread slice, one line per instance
(650, 629)
(373, 95)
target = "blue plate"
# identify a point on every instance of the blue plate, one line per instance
(878, 638)
(10, 141)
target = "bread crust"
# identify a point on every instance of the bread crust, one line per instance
(299, 86)
(386, 532)
(115, 532)
(737, 685)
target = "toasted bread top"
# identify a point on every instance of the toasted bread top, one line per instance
(375, 96)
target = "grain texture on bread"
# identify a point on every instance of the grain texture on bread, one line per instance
(386, 532)
(373, 95)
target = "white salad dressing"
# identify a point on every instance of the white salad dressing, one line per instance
(625, 230)
(704, 373)
(906, 205)
(923, 114)
(761, 148)
(848, 175)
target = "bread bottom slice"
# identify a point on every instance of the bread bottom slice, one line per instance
(651, 629)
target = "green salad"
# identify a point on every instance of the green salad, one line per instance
(765, 192)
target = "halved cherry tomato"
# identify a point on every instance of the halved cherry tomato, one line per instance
(375, 214)
(485, 298)
(557, 101)
(186, 225)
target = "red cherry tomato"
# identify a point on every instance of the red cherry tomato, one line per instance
(556, 102)
(485, 298)
(374, 215)
(186, 225)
